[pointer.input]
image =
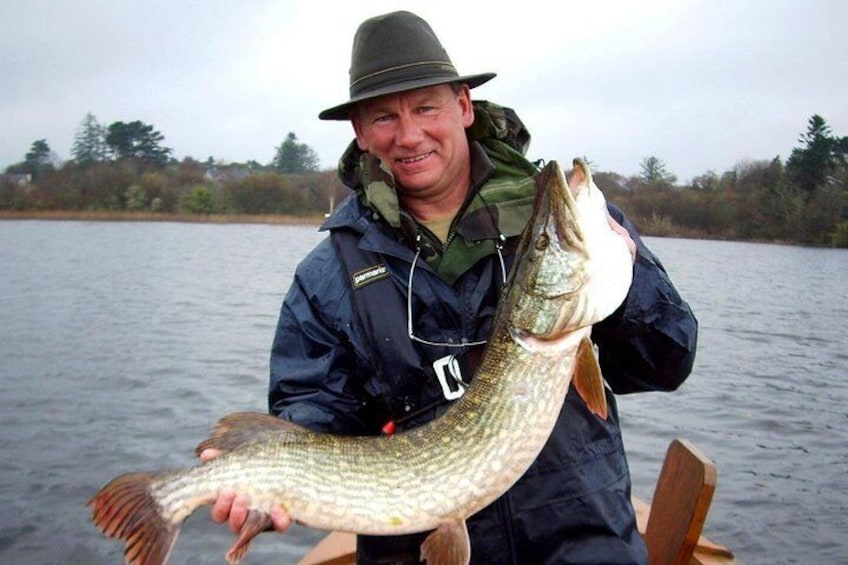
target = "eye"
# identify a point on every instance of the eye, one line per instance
(542, 242)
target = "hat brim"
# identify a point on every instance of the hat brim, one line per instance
(342, 111)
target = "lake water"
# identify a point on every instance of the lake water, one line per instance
(122, 343)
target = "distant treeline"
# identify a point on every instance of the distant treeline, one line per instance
(804, 200)
(185, 187)
(125, 168)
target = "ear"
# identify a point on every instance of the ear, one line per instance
(466, 106)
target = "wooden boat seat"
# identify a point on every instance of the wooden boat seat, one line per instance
(671, 524)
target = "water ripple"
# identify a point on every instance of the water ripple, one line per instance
(122, 343)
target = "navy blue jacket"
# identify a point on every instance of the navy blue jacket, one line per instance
(573, 504)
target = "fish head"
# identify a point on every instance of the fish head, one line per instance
(571, 269)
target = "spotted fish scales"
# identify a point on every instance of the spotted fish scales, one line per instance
(571, 270)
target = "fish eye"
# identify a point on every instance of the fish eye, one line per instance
(542, 242)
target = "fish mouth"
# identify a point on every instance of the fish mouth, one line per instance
(555, 215)
(563, 214)
(550, 277)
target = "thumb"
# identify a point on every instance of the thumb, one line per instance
(209, 454)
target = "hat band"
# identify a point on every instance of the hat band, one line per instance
(442, 65)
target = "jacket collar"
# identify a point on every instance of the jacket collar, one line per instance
(375, 191)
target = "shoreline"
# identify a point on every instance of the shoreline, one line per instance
(127, 216)
(277, 219)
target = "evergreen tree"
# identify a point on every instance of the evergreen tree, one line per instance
(822, 155)
(295, 157)
(39, 153)
(654, 173)
(136, 140)
(38, 159)
(89, 142)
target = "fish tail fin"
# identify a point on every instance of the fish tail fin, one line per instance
(588, 381)
(126, 509)
(240, 428)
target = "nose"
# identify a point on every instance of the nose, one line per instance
(409, 132)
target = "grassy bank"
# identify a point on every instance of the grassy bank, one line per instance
(126, 216)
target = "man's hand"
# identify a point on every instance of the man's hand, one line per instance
(619, 229)
(233, 509)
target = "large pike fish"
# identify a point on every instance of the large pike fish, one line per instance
(571, 270)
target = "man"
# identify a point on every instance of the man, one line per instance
(410, 277)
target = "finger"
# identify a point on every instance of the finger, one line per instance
(238, 513)
(209, 454)
(221, 509)
(622, 231)
(281, 519)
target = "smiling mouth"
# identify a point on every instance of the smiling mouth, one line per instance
(415, 159)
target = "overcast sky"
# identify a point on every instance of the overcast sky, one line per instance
(701, 85)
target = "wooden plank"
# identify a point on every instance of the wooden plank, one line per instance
(337, 548)
(681, 501)
(707, 552)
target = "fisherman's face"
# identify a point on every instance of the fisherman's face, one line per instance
(419, 135)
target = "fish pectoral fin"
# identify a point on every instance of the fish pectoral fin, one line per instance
(240, 428)
(256, 523)
(448, 544)
(587, 380)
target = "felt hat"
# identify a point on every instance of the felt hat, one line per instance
(396, 52)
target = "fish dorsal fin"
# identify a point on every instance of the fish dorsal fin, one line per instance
(240, 428)
(587, 379)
